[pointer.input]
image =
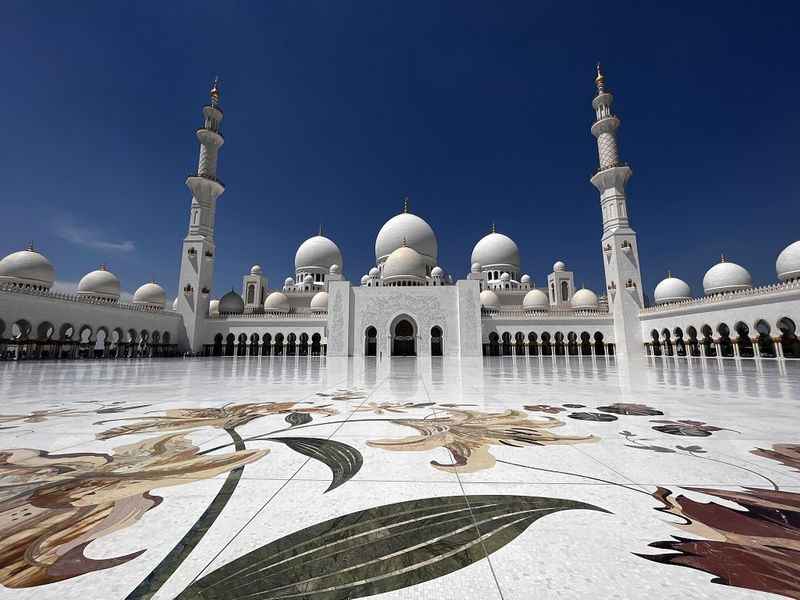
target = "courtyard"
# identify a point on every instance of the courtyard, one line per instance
(325, 478)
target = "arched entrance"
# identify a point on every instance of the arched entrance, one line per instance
(370, 341)
(436, 341)
(403, 338)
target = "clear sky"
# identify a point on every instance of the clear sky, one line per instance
(479, 111)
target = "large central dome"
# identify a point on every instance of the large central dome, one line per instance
(415, 231)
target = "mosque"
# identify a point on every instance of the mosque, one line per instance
(407, 304)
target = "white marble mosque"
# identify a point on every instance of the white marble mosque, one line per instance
(407, 304)
(534, 441)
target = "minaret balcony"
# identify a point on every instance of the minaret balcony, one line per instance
(209, 137)
(200, 182)
(605, 125)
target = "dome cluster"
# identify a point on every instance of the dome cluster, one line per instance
(726, 277)
(29, 269)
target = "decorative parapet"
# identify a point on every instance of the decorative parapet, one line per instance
(305, 316)
(82, 299)
(724, 298)
(535, 315)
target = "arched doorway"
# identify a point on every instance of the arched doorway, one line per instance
(506, 344)
(494, 344)
(303, 348)
(371, 341)
(403, 340)
(789, 340)
(436, 341)
(316, 346)
(217, 350)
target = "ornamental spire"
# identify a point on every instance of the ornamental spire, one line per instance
(405, 204)
(320, 230)
(493, 229)
(214, 93)
(600, 81)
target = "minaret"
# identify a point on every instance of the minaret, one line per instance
(620, 251)
(197, 256)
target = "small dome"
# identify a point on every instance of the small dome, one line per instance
(437, 272)
(27, 267)
(489, 300)
(288, 282)
(101, 283)
(536, 300)
(475, 268)
(788, 263)
(407, 229)
(319, 303)
(308, 280)
(213, 308)
(505, 276)
(335, 269)
(317, 252)
(150, 293)
(374, 272)
(175, 303)
(584, 299)
(671, 289)
(726, 277)
(496, 249)
(525, 279)
(364, 279)
(256, 270)
(559, 266)
(404, 262)
(231, 304)
(277, 302)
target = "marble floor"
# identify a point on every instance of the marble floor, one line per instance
(329, 479)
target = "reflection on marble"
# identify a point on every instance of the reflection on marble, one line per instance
(327, 478)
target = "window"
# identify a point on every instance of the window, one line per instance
(564, 291)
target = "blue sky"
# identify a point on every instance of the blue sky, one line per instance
(479, 111)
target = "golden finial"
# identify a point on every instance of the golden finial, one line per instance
(600, 81)
(30, 247)
(405, 242)
(722, 258)
(669, 274)
(103, 267)
(405, 204)
(494, 229)
(214, 93)
(320, 230)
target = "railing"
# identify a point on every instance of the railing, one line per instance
(774, 288)
(10, 288)
(534, 315)
(322, 316)
(208, 177)
(607, 167)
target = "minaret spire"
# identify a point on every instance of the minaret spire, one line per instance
(600, 81)
(214, 93)
(618, 243)
(197, 259)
